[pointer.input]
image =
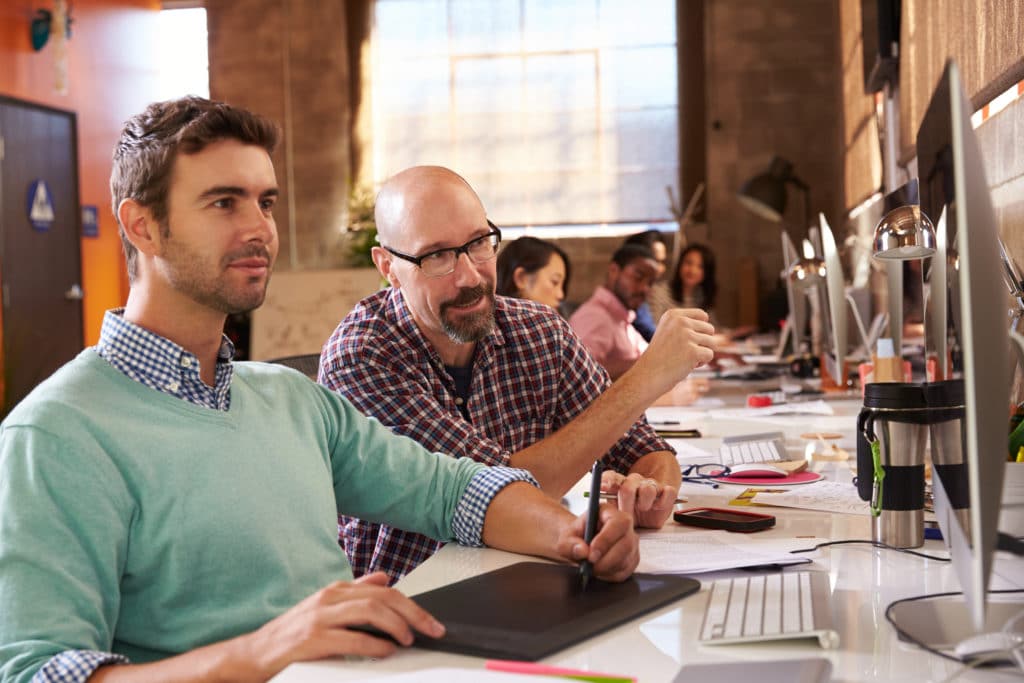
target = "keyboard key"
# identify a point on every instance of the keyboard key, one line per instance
(752, 620)
(772, 608)
(806, 601)
(790, 603)
(737, 606)
(714, 614)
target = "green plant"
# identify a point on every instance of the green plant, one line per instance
(362, 226)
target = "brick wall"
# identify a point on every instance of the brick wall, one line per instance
(773, 89)
(770, 79)
(290, 61)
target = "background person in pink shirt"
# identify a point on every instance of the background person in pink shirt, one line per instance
(604, 322)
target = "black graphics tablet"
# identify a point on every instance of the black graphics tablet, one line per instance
(529, 610)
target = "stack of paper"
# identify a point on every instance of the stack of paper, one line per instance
(708, 551)
(798, 408)
(827, 496)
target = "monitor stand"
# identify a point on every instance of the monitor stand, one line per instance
(835, 376)
(942, 622)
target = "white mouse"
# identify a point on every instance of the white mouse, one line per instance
(988, 644)
(757, 469)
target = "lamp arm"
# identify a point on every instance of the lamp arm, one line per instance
(860, 323)
(807, 198)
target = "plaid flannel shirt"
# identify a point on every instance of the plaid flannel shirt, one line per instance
(530, 377)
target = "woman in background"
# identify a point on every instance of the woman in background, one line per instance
(529, 268)
(694, 286)
(693, 282)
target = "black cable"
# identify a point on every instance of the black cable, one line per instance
(1010, 544)
(877, 544)
(910, 639)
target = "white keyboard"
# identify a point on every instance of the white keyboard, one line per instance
(769, 607)
(753, 448)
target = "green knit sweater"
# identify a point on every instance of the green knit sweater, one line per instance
(137, 523)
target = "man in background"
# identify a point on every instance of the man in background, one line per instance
(658, 300)
(604, 322)
(440, 358)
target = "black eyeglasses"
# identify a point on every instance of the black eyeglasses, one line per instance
(442, 261)
(705, 473)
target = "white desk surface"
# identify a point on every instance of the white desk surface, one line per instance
(864, 580)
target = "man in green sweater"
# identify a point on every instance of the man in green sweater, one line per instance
(166, 514)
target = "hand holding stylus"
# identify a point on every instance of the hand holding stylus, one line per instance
(613, 551)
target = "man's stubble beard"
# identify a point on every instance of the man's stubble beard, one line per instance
(473, 327)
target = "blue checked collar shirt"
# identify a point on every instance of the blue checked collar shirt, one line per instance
(530, 377)
(160, 364)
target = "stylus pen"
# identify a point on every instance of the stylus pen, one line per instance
(586, 569)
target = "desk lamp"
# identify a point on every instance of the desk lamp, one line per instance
(765, 193)
(807, 270)
(904, 233)
(802, 278)
(1015, 283)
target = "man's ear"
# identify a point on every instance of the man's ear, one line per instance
(521, 279)
(613, 272)
(139, 226)
(382, 259)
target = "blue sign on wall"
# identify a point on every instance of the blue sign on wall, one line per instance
(40, 206)
(90, 221)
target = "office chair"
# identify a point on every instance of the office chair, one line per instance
(306, 363)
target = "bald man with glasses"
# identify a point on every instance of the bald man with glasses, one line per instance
(440, 358)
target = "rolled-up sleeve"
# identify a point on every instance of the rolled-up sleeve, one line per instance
(75, 666)
(62, 540)
(468, 521)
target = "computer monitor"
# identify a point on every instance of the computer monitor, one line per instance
(954, 189)
(835, 351)
(796, 320)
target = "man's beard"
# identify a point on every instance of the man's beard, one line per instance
(468, 328)
(191, 275)
(626, 297)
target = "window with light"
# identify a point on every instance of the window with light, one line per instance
(558, 112)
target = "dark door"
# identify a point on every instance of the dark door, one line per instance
(40, 268)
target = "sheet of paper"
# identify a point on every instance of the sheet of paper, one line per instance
(827, 496)
(709, 402)
(687, 453)
(708, 551)
(799, 408)
(683, 417)
(452, 675)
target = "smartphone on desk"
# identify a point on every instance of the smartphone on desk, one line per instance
(729, 520)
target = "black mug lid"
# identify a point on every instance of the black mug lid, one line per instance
(945, 394)
(894, 396)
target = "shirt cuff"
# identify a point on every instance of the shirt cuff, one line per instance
(75, 666)
(468, 521)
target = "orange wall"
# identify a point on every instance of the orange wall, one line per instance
(111, 75)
